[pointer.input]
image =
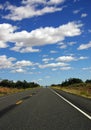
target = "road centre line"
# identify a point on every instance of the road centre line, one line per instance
(81, 111)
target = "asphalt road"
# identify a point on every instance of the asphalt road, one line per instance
(42, 109)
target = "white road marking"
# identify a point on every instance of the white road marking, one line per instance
(81, 111)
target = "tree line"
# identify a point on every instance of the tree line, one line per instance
(19, 84)
(72, 81)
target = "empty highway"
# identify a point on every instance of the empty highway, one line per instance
(44, 109)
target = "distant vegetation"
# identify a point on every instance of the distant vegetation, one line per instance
(72, 82)
(19, 84)
(75, 86)
(9, 87)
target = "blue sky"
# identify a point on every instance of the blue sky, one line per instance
(45, 41)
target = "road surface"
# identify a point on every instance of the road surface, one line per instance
(43, 109)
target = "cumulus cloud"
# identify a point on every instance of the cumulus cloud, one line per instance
(53, 51)
(89, 30)
(66, 58)
(6, 32)
(55, 2)
(70, 58)
(76, 11)
(5, 62)
(20, 70)
(47, 77)
(71, 43)
(31, 8)
(14, 66)
(30, 2)
(54, 69)
(53, 65)
(6, 28)
(66, 68)
(82, 58)
(3, 44)
(25, 41)
(84, 15)
(23, 63)
(76, 1)
(46, 60)
(24, 49)
(87, 68)
(63, 46)
(84, 46)
(1, 7)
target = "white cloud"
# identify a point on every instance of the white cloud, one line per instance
(55, 2)
(76, 1)
(63, 46)
(53, 52)
(84, 46)
(23, 63)
(1, 7)
(24, 49)
(30, 2)
(47, 77)
(71, 43)
(3, 45)
(12, 65)
(87, 68)
(53, 65)
(38, 80)
(76, 11)
(30, 8)
(25, 41)
(45, 55)
(65, 58)
(66, 68)
(84, 15)
(83, 57)
(54, 69)
(33, 68)
(6, 31)
(70, 58)
(5, 62)
(89, 30)
(46, 60)
(20, 70)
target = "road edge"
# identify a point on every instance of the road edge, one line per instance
(74, 106)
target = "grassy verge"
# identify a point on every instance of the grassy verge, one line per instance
(78, 89)
(6, 90)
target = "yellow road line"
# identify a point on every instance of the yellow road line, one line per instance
(19, 102)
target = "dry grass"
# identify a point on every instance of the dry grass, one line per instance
(79, 89)
(6, 90)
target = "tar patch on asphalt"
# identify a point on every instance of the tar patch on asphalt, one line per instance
(27, 97)
(7, 109)
(33, 93)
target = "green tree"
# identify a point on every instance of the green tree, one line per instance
(88, 81)
(71, 81)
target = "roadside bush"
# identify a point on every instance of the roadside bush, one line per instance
(71, 81)
(19, 84)
(88, 81)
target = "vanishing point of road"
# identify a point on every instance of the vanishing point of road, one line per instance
(44, 109)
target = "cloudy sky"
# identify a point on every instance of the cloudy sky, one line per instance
(45, 41)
